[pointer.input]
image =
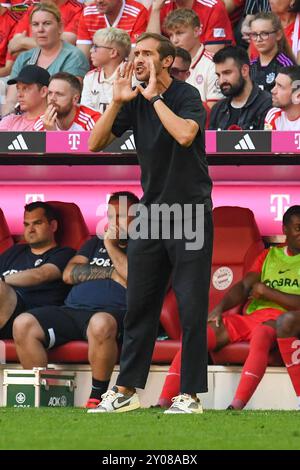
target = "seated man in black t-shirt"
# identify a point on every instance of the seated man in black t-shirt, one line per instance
(95, 307)
(31, 273)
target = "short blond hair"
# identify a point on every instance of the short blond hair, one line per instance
(117, 37)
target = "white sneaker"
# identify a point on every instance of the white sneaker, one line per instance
(184, 404)
(115, 402)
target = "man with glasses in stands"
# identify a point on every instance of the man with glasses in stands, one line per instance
(181, 66)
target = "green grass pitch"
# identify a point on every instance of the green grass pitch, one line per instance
(73, 428)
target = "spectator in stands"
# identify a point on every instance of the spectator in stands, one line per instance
(95, 307)
(64, 113)
(274, 51)
(180, 68)
(216, 31)
(245, 105)
(270, 288)
(32, 88)
(31, 273)
(167, 118)
(183, 28)
(52, 53)
(8, 22)
(111, 46)
(70, 11)
(129, 15)
(286, 97)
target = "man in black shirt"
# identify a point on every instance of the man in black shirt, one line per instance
(245, 105)
(31, 274)
(168, 121)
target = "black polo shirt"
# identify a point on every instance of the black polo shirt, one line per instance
(171, 173)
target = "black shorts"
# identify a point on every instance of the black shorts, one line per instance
(6, 331)
(64, 324)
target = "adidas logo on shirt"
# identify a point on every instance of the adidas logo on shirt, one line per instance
(18, 144)
(245, 143)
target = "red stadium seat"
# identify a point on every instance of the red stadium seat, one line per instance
(72, 230)
(6, 240)
(237, 242)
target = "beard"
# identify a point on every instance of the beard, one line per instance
(63, 112)
(233, 90)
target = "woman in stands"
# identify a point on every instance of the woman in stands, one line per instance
(52, 53)
(274, 51)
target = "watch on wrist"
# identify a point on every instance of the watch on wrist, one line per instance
(156, 98)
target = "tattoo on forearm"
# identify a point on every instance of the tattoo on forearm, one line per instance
(86, 272)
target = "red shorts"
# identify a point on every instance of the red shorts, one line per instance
(240, 327)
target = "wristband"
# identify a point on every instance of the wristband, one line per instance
(156, 98)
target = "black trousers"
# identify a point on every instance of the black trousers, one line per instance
(151, 263)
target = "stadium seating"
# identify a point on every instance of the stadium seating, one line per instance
(6, 240)
(237, 242)
(72, 232)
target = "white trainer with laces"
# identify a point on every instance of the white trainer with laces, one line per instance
(184, 404)
(115, 402)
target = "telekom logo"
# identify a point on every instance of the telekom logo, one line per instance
(279, 203)
(74, 141)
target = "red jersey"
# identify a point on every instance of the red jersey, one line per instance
(84, 120)
(132, 18)
(8, 22)
(216, 27)
(70, 13)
